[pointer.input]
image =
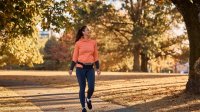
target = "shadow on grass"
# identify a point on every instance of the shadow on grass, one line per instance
(20, 80)
(182, 102)
(23, 80)
(117, 89)
(129, 77)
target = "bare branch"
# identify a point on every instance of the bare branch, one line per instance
(122, 23)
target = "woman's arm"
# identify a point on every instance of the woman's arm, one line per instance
(96, 57)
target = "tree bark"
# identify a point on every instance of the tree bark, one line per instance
(136, 61)
(190, 13)
(144, 62)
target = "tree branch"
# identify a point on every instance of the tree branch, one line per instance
(182, 4)
(122, 23)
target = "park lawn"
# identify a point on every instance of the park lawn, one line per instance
(140, 91)
(148, 92)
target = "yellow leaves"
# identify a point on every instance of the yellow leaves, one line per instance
(2, 60)
(21, 51)
(161, 2)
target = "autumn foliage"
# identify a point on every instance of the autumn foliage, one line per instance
(61, 51)
(58, 52)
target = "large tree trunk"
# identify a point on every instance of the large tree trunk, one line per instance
(144, 62)
(136, 61)
(190, 12)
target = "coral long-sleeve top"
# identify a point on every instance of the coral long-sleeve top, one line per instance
(85, 51)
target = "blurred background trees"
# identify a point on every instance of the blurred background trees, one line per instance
(131, 35)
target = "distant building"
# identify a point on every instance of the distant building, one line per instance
(45, 34)
(182, 68)
(49, 33)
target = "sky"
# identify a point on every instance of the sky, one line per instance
(116, 3)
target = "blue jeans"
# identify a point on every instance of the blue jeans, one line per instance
(82, 75)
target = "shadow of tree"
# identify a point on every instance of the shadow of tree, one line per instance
(182, 102)
(20, 80)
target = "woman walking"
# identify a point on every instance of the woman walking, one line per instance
(85, 55)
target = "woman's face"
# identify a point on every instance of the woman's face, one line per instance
(86, 32)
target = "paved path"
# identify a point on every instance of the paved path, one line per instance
(61, 99)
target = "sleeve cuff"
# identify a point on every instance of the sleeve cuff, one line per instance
(72, 65)
(97, 64)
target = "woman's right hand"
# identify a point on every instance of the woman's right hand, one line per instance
(98, 72)
(70, 72)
